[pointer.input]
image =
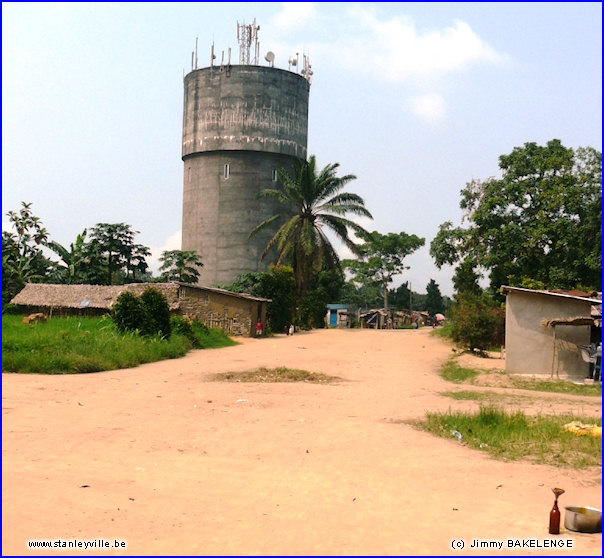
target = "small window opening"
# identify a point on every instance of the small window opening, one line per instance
(227, 170)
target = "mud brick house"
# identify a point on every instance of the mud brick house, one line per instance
(235, 313)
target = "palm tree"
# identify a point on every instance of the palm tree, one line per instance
(72, 268)
(180, 265)
(22, 257)
(313, 203)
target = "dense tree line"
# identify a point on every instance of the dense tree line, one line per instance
(539, 226)
(105, 254)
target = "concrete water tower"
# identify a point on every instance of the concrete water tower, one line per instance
(241, 123)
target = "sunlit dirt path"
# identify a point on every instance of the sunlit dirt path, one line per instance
(168, 462)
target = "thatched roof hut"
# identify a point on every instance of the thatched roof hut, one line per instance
(101, 298)
(573, 321)
(235, 313)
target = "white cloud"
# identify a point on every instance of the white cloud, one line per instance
(429, 106)
(395, 50)
(391, 49)
(173, 242)
(294, 15)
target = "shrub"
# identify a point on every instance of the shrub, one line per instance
(157, 313)
(479, 322)
(183, 327)
(12, 309)
(128, 313)
(148, 314)
(199, 328)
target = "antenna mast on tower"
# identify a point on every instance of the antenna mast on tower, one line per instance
(245, 35)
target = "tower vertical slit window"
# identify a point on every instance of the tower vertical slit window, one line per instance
(274, 175)
(227, 170)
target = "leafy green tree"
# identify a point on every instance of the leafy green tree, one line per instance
(73, 266)
(311, 308)
(312, 203)
(276, 284)
(478, 321)
(136, 269)
(22, 258)
(401, 297)
(541, 221)
(361, 296)
(113, 252)
(381, 259)
(180, 265)
(465, 279)
(434, 300)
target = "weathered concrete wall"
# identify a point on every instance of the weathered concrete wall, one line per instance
(255, 120)
(236, 316)
(529, 348)
(219, 213)
(255, 108)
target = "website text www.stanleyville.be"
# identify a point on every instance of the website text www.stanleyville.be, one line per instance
(93, 544)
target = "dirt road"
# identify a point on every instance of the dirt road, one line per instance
(170, 463)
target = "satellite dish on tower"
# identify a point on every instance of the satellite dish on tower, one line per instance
(293, 61)
(270, 58)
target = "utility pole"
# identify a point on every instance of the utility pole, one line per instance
(385, 294)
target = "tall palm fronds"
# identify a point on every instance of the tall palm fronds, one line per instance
(312, 204)
(74, 263)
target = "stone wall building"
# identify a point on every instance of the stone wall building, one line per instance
(235, 313)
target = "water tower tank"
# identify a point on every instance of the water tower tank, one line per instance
(241, 123)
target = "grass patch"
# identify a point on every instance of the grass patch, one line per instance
(452, 372)
(489, 397)
(212, 338)
(272, 375)
(445, 331)
(513, 435)
(72, 345)
(556, 386)
(466, 395)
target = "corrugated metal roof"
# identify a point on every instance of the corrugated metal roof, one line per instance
(506, 289)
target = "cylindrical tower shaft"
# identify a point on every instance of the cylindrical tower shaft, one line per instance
(240, 124)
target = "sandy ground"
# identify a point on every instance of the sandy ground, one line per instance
(170, 463)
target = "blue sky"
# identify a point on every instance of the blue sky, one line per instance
(415, 99)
